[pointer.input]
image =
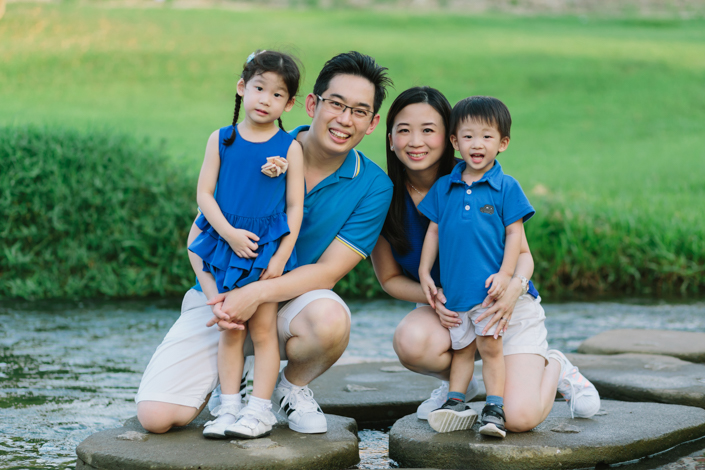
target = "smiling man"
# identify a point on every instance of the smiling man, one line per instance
(347, 197)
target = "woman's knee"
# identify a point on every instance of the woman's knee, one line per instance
(522, 421)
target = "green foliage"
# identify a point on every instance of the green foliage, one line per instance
(90, 215)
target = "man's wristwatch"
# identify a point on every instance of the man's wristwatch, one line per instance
(524, 284)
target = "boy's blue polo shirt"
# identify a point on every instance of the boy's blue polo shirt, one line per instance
(350, 205)
(472, 221)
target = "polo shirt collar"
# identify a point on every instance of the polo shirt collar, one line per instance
(492, 177)
(350, 167)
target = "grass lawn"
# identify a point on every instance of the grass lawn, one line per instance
(609, 114)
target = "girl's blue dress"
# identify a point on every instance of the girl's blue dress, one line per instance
(249, 200)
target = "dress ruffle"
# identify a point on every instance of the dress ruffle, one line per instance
(229, 269)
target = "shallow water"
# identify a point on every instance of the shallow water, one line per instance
(70, 369)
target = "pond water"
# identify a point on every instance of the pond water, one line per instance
(70, 369)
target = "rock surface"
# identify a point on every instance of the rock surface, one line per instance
(186, 448)
(627, 431)
(376, 393)
(685, 345)
(644, 377)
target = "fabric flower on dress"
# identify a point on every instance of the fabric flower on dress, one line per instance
(275, 166)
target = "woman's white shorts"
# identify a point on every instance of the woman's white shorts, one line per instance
(184, 368)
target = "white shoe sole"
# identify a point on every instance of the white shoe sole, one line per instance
(490, 429)
(213, 435)
(308, 430)
(449, 420)
(246, 436)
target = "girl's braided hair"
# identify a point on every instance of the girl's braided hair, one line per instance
(260, 62)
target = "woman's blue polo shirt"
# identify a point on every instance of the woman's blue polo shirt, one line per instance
(472, 221)
(350, 205)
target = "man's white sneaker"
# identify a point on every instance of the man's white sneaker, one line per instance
(225, 416)
(579, 392)
(300, 408)
(252, 422)
(439, 395)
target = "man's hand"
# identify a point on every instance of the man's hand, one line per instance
(448, 318)
(499, 282)
(429, 288)
(239, 304)
(242, 242)
(219, 317)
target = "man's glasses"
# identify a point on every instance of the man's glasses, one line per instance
(337, 108)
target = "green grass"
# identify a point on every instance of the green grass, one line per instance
(608, 114)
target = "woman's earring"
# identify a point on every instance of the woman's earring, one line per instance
(391, 147)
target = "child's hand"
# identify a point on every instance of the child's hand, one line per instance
(243, 243)
(274, 269)
(499, 282)
(429, 288)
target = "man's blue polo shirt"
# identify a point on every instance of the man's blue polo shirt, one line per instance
(472, 221)
(350, 205)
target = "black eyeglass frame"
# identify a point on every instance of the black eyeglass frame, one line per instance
(367, 112)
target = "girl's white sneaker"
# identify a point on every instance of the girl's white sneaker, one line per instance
(252, 422)
(225, 416)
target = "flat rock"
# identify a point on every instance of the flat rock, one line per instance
(186, 448)
(376, 393)
(685, 345)
(627, 431)
(644, 377)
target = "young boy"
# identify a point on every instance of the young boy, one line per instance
(476, 216)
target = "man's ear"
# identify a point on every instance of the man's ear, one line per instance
(454, 141)
(503, 144)
(311, 102)
(373, 124)
(241, 87)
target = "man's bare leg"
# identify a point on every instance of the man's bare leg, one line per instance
(159, 417)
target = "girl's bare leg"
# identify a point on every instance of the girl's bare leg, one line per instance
(231, 360)
(529, 391)
(263, 330)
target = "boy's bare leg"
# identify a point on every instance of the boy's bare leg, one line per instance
(462, 367)
(263, 331)
(493, 372)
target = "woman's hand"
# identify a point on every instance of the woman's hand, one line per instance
(502, 308)
(275, 267)
(242, 242)
(448, 318)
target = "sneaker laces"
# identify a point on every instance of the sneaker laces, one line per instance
(570, 386)
(440, 392)
(301, 399)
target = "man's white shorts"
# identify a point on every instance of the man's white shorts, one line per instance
(184, 368)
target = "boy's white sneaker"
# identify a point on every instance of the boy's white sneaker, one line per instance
(298, 405)
(579, 392)
(252, 422)
(225, 416)
(439, 395)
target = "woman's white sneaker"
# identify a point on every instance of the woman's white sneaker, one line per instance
(439, 395)
(579, 392)
(225, 416)
(252, 422)
(298, 405)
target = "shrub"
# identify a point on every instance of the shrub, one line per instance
(90, 215)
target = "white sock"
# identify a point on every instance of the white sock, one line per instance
(285, 383)
(233, 399)
(260, 403)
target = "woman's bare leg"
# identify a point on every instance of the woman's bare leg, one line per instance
(423, 345)
(529, 391)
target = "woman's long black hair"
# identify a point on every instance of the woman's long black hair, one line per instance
(284, 65)
(393, 229)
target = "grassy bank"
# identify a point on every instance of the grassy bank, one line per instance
(608, 113)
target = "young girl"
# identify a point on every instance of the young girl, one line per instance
(250, 193)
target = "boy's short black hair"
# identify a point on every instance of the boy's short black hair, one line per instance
(355, 63)
(482, 108)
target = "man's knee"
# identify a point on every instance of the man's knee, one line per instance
(328, 322)
(158, 417)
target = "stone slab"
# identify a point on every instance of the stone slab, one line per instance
(644, 377)
(376, 393)
(622, 431)
(686, 345)
(186, 448)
